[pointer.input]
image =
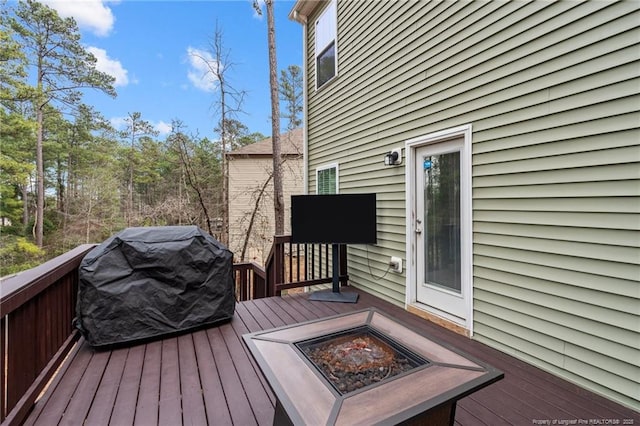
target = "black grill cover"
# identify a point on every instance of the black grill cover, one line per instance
(151, 281)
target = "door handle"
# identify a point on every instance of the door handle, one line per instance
(418, 229)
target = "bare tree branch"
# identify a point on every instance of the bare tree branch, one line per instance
(228, 105)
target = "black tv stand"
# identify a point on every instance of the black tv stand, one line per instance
(334, 295)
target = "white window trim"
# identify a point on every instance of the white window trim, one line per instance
(326, 167)
(411, 145)
(332, 7)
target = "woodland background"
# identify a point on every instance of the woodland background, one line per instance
(68, 177)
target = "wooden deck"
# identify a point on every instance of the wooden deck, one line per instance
(208, 377)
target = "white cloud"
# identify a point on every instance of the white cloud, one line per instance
(92, 15)
(113, 67)
(119, 123)
(163, 128)
(199, 73)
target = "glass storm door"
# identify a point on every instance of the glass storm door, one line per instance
(439, 236)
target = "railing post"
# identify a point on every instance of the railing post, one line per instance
(259, 286)
(278, 276)
(244, 282)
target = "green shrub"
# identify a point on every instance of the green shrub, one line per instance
(18, 254)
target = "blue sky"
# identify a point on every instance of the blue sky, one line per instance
(149, 46)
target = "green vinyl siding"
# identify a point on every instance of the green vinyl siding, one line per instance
(552, 90)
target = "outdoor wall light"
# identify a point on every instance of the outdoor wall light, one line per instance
(393, 157)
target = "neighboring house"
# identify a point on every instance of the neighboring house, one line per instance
(516, 204)
(251, 193)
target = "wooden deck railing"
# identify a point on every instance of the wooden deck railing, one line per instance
(291, 265)
(288, 266)
(251, 281)
(37, 307)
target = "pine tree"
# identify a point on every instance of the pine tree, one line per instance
(63, 67)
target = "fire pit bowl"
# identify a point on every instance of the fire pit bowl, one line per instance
(364, 368)
(352, 359)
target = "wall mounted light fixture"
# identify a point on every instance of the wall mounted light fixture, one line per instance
(393, 157)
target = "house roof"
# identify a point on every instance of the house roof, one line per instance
(290, 144)
(302, 9)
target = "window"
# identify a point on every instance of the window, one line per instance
(326, 48)
(327, 179)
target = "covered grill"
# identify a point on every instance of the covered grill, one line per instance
(152, 281)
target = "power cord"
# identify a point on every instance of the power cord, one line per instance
(371, 272)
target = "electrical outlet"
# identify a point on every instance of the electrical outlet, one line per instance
(396, 264)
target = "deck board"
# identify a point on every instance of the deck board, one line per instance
(212, 392)
(239, 405)
(495, 400)
(267, 315)
(209, 377)
(244, 316)
(105, 399)
(193, 411)
(57, 403)
(240, 329)
(81, 402)
(261, 404)
(141, 386)
(170, 392)
(464, 417)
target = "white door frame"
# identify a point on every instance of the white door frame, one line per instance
(411, 145)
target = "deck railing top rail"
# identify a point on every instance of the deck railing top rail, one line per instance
(19, 288)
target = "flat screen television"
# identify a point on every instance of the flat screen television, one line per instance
(336, 218)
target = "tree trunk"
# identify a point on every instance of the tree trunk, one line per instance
(60, 184)
(130, 188)
(192, 179)
(39, 225)
(278, 196)
(252, 220)
(24, 189)
(219, 73)
(88, 220)
(224, 235)
(71, 194)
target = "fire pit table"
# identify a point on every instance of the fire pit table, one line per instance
(364, 368)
